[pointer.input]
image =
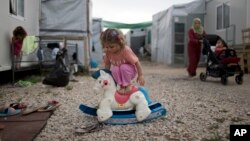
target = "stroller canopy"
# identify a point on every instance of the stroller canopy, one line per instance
(212, 39)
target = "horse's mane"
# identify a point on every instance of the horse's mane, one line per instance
(97, 74)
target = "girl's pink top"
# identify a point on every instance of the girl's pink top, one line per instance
(125, 56)
(17, 46)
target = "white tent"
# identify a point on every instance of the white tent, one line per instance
(67, 18)
(169, 32)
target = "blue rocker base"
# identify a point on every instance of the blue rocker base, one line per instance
(127, 116)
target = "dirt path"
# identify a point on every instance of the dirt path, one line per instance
(196, 110)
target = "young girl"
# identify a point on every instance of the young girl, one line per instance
(219, 47)
(121, 60)
(17, 40)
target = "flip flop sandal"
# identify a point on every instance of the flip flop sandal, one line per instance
(89, 129)
(10, 112)
(18, 105)
(49, 107)
(52, 105)
(30, 110)
(22, 106)
(14, 105)
(3, 107)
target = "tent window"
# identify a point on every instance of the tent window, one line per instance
(149, 37)
(17, 7)
(223, 16)
(219, 17)
(226, 11)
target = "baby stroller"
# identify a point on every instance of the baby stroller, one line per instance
(220, 68)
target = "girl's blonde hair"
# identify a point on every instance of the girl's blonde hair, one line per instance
(113, 36)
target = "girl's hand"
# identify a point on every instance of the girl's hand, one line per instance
(140, 80)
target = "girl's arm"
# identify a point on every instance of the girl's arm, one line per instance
(140, 78)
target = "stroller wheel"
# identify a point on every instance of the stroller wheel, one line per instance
(224, 79)
(239, 79)
(203, 76)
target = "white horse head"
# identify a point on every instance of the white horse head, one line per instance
(105, 82)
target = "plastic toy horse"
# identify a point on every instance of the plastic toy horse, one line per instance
(115, 101)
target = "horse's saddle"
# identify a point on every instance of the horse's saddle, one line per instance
(123, 98)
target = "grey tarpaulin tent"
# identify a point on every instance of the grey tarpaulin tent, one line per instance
(169, 32)
(96, 52)
(137, 38)
(68, 18)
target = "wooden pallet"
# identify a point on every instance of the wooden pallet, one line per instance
(242, 53)
(247, 63)
(245, 51)
(241, 63)
(246, 36)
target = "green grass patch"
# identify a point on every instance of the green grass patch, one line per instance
(33, 79)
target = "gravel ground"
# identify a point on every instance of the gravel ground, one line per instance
(196, 110)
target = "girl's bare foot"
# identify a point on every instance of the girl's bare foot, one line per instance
(122, 90)
(128, 88)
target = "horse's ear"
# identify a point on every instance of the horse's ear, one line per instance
(102, 73)
(96, 74)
